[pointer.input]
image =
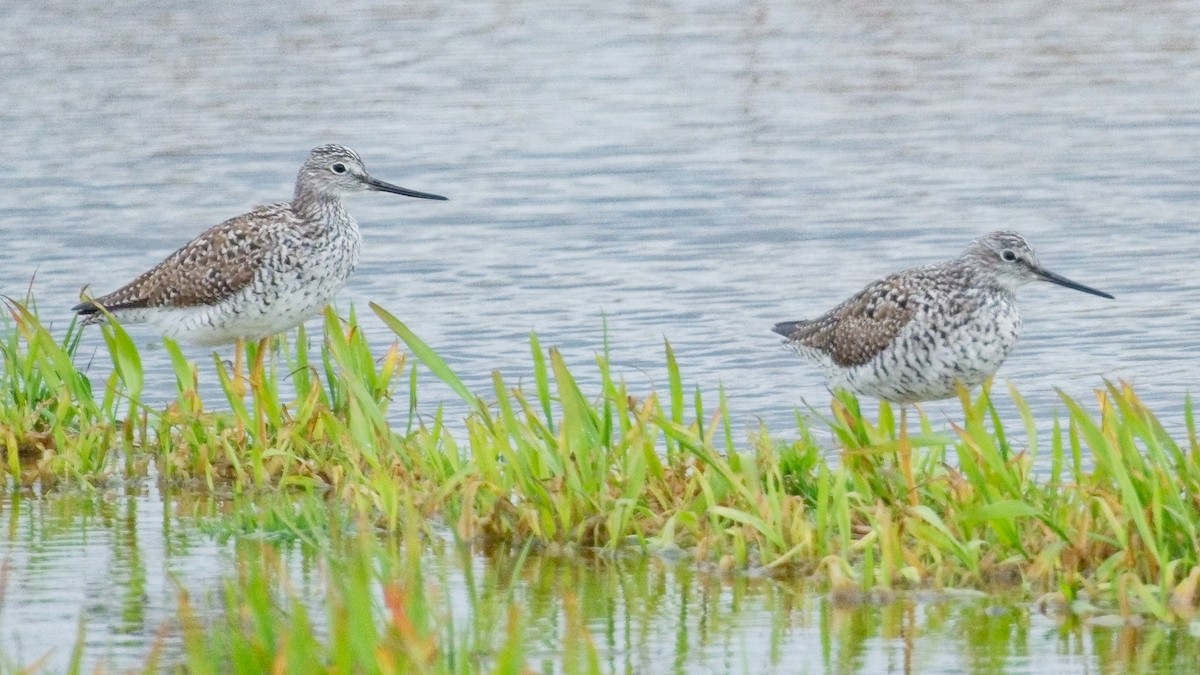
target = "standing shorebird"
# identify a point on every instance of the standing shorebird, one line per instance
(261, 273)
(917, 335)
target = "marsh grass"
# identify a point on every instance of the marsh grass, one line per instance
(50, 424)
(1113, 524)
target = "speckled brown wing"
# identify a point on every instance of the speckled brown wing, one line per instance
(855, 331)
(213, 266)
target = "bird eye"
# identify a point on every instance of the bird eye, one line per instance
(338, 168)
(1008, 254)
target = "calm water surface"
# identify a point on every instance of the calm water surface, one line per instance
(691, 171)
(645, 614)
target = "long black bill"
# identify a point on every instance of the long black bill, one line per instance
(376, 184)
(1047, 275)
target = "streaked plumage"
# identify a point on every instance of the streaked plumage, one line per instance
(262, 272)
(913, 335)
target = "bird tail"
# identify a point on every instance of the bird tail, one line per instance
(90, 313)
(86, 308)
(788, 328)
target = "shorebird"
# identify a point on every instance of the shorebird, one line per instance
(261, 273)
(919, 334)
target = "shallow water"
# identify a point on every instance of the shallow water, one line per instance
(691, 171)
(645, 614)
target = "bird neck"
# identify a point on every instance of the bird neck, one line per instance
(980, 276)
(326, 209)
(970, 272)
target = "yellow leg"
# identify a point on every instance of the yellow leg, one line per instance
(906, 457)
(239, 383)
(256, 370)
(256, 385)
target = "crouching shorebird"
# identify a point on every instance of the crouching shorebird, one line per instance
(917, 335)
(261, 273)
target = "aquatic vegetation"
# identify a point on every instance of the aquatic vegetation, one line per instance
(1111, 527)
(381, 613)
(50, 424)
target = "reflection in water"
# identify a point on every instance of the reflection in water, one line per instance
(645, 613)
(116, 559)
(127, 576)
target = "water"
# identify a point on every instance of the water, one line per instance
(690, 171)
(693, 172)
(645, 614)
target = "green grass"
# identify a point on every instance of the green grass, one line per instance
(557, 468)
(51, 427)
